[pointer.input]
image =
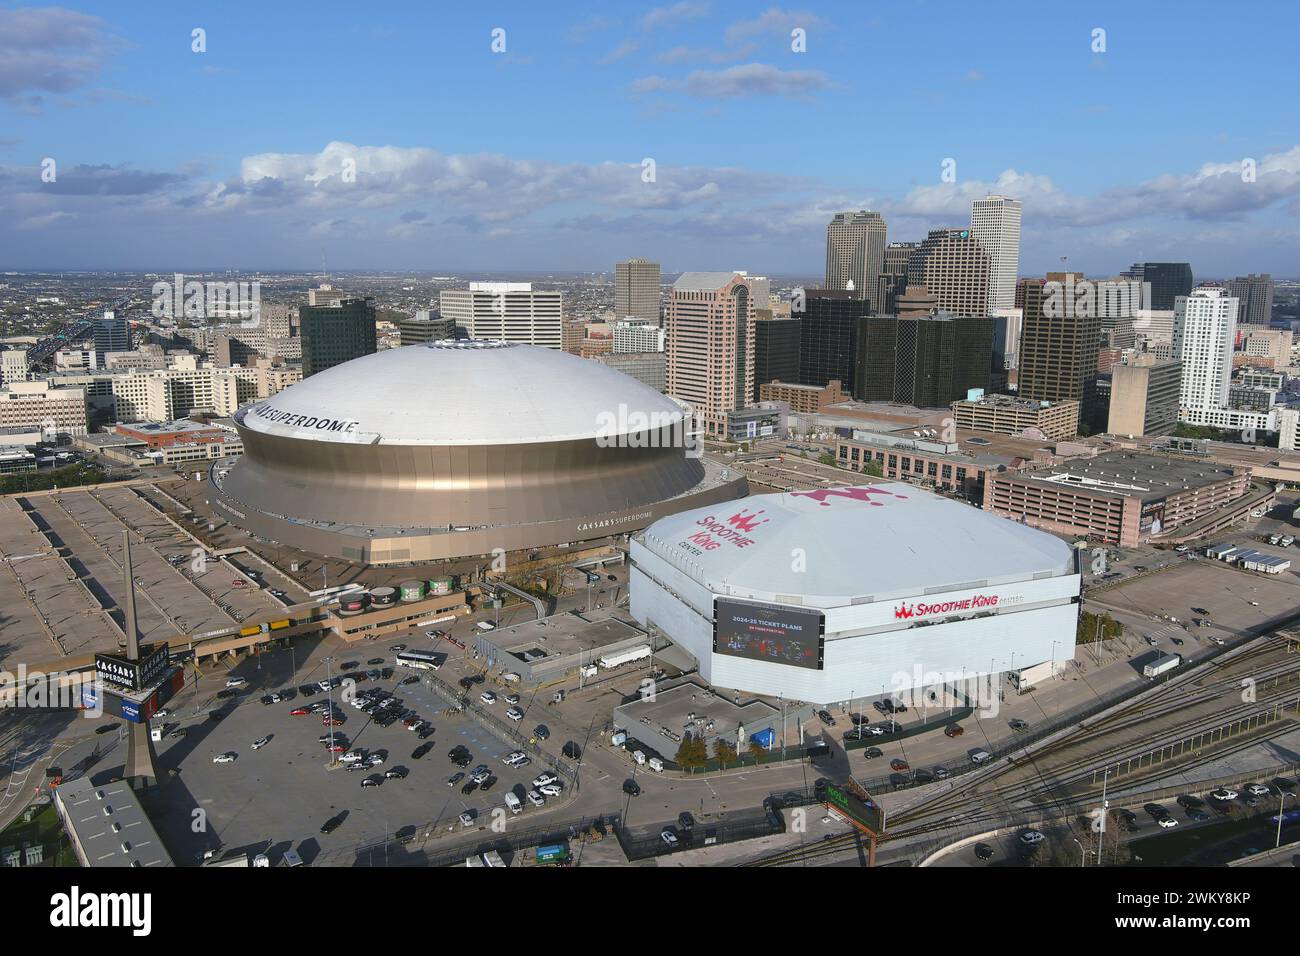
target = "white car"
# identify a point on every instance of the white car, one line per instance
(1152, 641)
(1258, 790)
(467, 818)
(488, 697)
(1167, 823)
(352, 756)
(236, 682)
(513, 757)
(261, 742)
(479, 776)
(1215, 639)
(162, 713)
(551, 789)
(981, 756)
(1224, 793)
(543, 778)
(514, 713)
(512, 699)
(1032, 837)
(535, 798)
(225, 758)
(1182, 549)
(669, 838)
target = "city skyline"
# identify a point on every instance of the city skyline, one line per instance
(239, 161)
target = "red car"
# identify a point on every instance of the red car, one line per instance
(337, 749)
(953, 730)
(299, 712)
(898, 764)
(331, 722)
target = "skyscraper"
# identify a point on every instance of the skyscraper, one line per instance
(710, 345)
(334, 334)
(111, 334)
(1205, 330)
(636, 290)
(776, 352)
(1059, 339)
(507, 312)
(828, 337)
(1168, 281)
(995, 222)
(926, 360)
(855, 251)
(954, 266)
(893, 279)
(1254, 294)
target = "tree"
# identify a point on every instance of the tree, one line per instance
(691, 753)
(756, 750)
(724, 752)
(827, 458)
(873, 469)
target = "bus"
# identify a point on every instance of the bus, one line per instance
(420, 660)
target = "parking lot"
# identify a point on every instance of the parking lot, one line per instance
(289, 781)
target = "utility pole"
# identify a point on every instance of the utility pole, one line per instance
(141, 762)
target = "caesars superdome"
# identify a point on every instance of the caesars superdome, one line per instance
(459, 448)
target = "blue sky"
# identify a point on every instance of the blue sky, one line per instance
(532, 158)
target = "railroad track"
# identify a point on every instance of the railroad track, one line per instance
(934, 813)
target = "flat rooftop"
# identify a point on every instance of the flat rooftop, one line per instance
(566, 634)
(668, 713)
(104, 819)
(1132, 474)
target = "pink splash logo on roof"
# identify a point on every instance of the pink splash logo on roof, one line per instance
(854, 494)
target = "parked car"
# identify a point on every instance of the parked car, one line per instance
(332, 824)
(1224, 794)
(669, 838)
(236, 682)
(541, 732)
(228, 757)
(469, 787)
(551, 789)
(396, 773)
(515, 714)
(899, 764)
(1018, 724)
(983, 852)
(543, 778)
(261, 742)
(872, 752)
(825, 717)
(374, 780)
(631, 788)
(1031, 837)
(421, 750)
(536, 799)
(488, 697)
(980, 756)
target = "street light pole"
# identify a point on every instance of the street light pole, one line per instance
(1281, 808)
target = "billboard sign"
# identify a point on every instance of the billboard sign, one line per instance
(121, 671)
(765, 632)
(858, 807)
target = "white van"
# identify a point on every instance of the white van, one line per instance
(486, 626)
(639, 757)
(656, 765)
(513, 803)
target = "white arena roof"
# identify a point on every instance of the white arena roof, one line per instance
(462, 393)
(839, 546)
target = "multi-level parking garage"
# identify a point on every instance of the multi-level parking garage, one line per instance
(62, 583)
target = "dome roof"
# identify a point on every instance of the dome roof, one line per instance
(463, 393)
(878, 541)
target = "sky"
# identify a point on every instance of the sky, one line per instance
(454, 137)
